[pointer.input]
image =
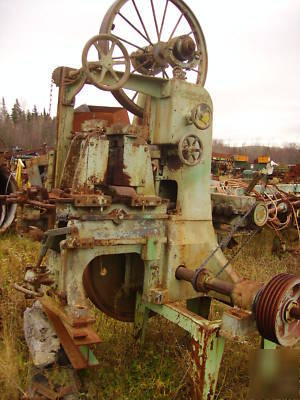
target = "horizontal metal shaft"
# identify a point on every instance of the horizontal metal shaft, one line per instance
(215, 284)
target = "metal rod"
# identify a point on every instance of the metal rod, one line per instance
(163, 19)
(131, 44)
(219, 286)
(133, 27)
(140, 66)
(195, 70)
(27, 291)
(184, 274)
(215, 284)
(155, 20)
(136, 93)
(175, 27)
(142, 22)
(165, 72)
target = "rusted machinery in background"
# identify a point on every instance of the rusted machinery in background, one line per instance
(129, 217)
(8, 186)
(275, 206)
(17, 168)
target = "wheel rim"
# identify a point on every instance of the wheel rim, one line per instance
(116, 16)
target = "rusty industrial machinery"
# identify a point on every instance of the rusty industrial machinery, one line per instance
(8, 187)
(128, 219)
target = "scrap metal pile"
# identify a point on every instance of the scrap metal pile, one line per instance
(275, 205)
(128, 219)
(13, 174)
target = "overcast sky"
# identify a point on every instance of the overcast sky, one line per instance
(253, 52)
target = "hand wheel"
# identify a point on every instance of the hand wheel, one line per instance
(190, 150)
(110, 52)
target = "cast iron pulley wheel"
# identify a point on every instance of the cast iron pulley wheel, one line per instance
(111, 287)
(111, 53)
(148, 28)
(274, 310)
(190, 150)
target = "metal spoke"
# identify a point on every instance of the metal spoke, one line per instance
(189, 142)
(119, 62)
(176, 26)
(99, 50)
(111, 50)
(117, 58)
(94, 64)
(155, 20)
(133, 27)
(103, 73)
(163, 19)
(195, 70)
(115, 76)
(136, 93)
(131, 44)
(165, 72)
(140, 66)
(142, 22)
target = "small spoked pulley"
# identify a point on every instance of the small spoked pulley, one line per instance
(106, 62)
(163, 39)
(190, 150)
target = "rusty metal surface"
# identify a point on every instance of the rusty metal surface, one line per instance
(104, 283)
(73, 352)
(112, 115)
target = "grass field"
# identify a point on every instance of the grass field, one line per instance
(161, 370)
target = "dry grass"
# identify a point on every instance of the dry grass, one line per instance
(15, 254)
(160, 371)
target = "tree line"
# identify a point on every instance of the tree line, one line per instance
(31, 129)
(27, 129)
(287, 154)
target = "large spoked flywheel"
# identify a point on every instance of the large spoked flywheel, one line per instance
(162, 37)
(111, 283)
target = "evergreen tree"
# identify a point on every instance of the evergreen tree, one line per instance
(35, 113)
(17, 114)
(4, 115)
(28, 116)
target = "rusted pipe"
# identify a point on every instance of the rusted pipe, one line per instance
(242, 293)
(203, 281)
(184, 274)
(27, 291)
